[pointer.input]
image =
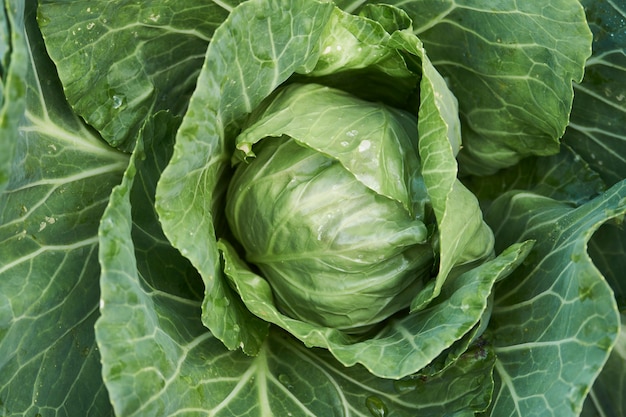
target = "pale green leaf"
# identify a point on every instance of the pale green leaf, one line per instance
(238, 74)
(408, 343)
(463, 235)
(374, 142)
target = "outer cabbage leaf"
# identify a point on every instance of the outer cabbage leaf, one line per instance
(565, 177)
(567, 180)
(13, 65)
(556, 306)
(60, 177)
(153, 344)
(511, 65)
(596, 131)
(608, 395)
(234, 80)
(597, 134)
(122, 61)
(607, 248)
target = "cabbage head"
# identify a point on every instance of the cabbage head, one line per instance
(341, 238)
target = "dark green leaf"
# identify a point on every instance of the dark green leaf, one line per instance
(511, 65)
(597, 130)
(565, 177)
(59, 181)
(121, 61)
(608, 394)
(555, 319)
(607, 248)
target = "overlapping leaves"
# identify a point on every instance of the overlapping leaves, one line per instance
(511, 65)
(56, 176)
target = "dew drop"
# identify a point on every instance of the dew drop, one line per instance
(285, 380)
(43, 20)
(376, 406)
(364, 145)
(118, 101)
(236, 328)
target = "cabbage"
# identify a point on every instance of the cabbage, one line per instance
(308, 208)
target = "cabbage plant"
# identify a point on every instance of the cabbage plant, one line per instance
(312, 208)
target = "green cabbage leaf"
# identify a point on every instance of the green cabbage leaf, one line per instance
(124, 290)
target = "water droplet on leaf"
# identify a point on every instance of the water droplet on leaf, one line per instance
(376, 406)
(285, 380)
(118, 101)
